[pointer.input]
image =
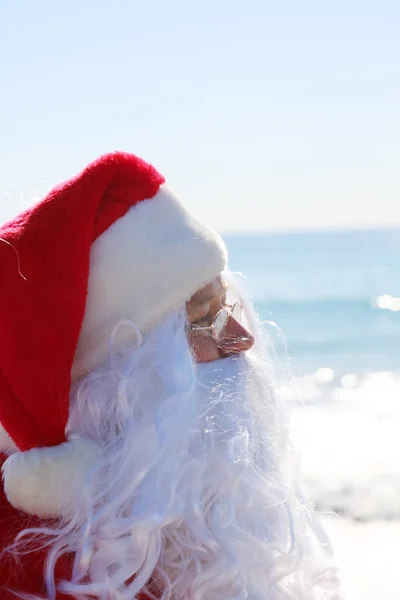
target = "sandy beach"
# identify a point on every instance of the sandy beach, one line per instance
(368, 557)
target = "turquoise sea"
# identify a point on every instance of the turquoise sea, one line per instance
(331, 306)
(327, 292)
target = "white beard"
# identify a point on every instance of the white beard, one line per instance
(195, 492)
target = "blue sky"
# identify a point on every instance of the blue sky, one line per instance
(262, 115)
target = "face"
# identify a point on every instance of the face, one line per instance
(201, 309)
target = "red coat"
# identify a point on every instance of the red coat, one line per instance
(26, 575)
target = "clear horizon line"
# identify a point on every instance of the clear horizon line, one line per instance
(314, 230)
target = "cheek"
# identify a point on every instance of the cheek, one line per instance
(204, 348)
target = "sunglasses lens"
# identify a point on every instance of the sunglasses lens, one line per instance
(237, 311)
(220, 322)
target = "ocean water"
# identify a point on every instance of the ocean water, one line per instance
(330, 303)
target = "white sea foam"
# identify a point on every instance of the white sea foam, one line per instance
(348, 433)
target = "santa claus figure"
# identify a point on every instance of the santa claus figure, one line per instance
(144, 454)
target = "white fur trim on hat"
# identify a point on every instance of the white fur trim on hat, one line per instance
(46, 481)
(148, 263)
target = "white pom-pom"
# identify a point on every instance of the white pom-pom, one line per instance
(46, 481)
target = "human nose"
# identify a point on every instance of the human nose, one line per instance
(236, 339)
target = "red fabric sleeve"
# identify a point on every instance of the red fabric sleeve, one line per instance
(26, 573)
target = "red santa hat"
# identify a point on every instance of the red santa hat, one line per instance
(112, 244)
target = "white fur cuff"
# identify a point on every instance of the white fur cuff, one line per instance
(148, 263)
(47, 481)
